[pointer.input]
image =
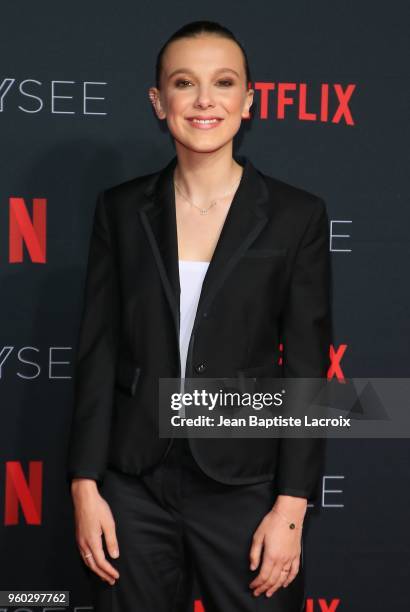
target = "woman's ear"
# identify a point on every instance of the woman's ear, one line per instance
(153, 94)
(248, 104)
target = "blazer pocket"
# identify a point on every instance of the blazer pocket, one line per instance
(127, 375)
(265, 253)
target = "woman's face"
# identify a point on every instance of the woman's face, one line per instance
(203, 77)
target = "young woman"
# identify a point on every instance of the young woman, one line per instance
(200, 269)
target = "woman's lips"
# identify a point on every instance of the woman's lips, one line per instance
(205, 126)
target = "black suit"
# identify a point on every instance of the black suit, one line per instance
(268, 282)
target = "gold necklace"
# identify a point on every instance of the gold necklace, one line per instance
(204, 211)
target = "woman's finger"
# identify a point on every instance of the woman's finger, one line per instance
(99, 558)
(88, 559)
(255, 551)
(293, 571)
(265, 571)
(271, 580)
(278, 580)
(110, 536)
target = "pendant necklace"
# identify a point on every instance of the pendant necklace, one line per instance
(204, 211)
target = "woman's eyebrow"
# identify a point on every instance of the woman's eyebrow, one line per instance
(188, 71)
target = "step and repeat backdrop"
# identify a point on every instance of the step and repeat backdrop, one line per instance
(330, 114)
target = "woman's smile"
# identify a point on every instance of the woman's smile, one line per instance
(204, 124)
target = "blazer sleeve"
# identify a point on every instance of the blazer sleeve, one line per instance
(306, 337)
(95, 359)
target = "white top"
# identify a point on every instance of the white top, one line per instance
(191, 276)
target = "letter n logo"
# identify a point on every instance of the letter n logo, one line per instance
(20, 493)
(31, 231)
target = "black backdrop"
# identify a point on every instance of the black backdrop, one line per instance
(64, 150)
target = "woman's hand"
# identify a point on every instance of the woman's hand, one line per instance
(93, 518)
(281, 546)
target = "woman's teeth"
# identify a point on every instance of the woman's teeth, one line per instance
(204, 120)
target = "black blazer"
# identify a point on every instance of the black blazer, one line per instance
(267, 283)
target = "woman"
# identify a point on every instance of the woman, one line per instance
(201, 268)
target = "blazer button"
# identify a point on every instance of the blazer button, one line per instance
(201, 367)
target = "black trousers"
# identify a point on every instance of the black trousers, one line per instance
(176, 523)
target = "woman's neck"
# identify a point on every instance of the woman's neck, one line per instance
(204, 177)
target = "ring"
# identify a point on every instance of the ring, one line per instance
(89, 555)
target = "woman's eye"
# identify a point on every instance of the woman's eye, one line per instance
(181, 81)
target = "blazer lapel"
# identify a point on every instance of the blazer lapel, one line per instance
(245, 220)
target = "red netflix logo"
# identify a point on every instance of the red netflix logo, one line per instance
(296, 95)
(30, 230)
(23, 494)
